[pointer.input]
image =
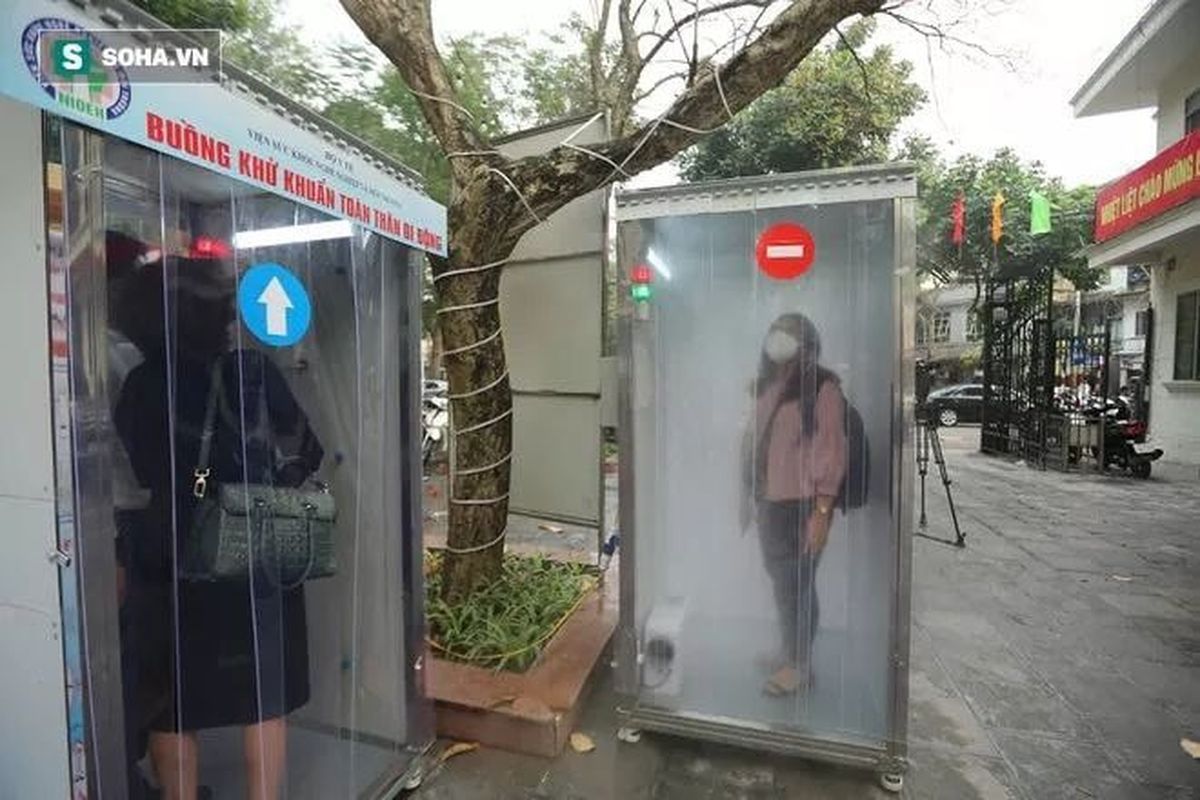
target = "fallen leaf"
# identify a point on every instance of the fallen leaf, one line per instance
(550, 528)
(1121, 578)
(503, 700)
(582, 743)
(532, 708)
(457, 749)
(1190, 747)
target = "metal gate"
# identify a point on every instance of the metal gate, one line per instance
(1045, 394)
(1017, 367)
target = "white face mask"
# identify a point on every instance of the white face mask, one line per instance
(780, 346)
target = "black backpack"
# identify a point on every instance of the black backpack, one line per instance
(856, 486)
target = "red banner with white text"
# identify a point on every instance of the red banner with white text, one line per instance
(1169, 179)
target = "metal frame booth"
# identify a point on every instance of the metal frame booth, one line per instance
(732, 443)
(207, 287)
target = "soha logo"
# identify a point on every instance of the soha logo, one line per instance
(59, 56)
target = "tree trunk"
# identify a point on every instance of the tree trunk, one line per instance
(482, 233)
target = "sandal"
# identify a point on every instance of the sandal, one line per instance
(785, 682)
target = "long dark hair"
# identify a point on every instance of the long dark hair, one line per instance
(807, 375)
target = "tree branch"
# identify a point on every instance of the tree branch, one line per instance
(934, 32)
(674, 76)
(403, 30)
(862, 68)
(676, 24)
(595, 48)
(548, 181)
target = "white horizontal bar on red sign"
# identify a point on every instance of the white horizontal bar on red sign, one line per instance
(785, 251)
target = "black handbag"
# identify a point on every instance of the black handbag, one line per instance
(282, 533)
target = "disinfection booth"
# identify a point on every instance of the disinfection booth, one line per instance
(210, 476)
(766, 408)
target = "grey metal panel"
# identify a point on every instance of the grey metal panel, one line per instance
(551, 301)
(556, 453)
(575, 228)
(551, 313)
(902, 448)
(33, 751)
(609, 387)
(844, 184)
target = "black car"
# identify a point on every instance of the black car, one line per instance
(954, 404)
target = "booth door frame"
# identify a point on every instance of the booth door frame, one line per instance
(890, 758)
(81, 455)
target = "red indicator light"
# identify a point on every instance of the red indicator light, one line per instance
(641, 274)
(208, 247)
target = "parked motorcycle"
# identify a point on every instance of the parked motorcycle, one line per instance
(435, 421)
(1119, 438)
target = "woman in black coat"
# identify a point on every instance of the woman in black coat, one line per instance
(220, 653)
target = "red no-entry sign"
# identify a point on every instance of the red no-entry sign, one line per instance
(785, 250)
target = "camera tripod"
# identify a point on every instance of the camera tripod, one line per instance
(928, 442)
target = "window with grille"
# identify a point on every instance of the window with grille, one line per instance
(940, 329)
(1191, 113)
(1141, 323)
(1187, 337)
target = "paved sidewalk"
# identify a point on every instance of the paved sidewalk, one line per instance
(1057, 656)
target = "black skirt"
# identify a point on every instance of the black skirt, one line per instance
(214, 654)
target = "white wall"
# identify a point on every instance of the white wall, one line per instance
(1175, 405)
(1171, 96)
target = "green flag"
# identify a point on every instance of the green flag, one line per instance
(1039, 213)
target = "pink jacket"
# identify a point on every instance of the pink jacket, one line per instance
(800, 466)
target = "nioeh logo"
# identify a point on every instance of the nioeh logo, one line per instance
(76, 81)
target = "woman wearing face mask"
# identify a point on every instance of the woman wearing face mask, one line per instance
(794, 461)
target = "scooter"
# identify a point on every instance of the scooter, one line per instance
(1119, 438)
(435, 417)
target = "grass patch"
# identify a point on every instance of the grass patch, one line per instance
(507, 624)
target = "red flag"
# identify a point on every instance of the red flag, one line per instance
(958, 215)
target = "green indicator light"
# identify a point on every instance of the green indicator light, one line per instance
(640, 292)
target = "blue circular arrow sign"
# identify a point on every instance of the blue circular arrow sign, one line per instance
(274, 304)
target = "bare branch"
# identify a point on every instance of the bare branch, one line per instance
(678, 36)
(403, 30)
(595, 48)
(674, 76)
(862, 68)
(550, 180)
(940, 33)
(676, 24)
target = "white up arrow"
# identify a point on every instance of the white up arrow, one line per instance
(277, 303)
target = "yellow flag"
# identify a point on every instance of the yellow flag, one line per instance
(997, 217)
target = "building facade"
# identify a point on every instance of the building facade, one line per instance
(948, 333)
(1151, 216)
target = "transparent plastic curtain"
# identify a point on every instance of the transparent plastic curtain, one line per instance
(256, 686)
(731, 460)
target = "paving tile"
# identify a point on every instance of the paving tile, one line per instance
(1031, 707)
(940, 719)
(938, 775)
(1064, 769)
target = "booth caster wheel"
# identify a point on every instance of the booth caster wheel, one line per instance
(891, 781)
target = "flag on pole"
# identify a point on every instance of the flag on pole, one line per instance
(1039, 213)
(958, 216)
(997, 217)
